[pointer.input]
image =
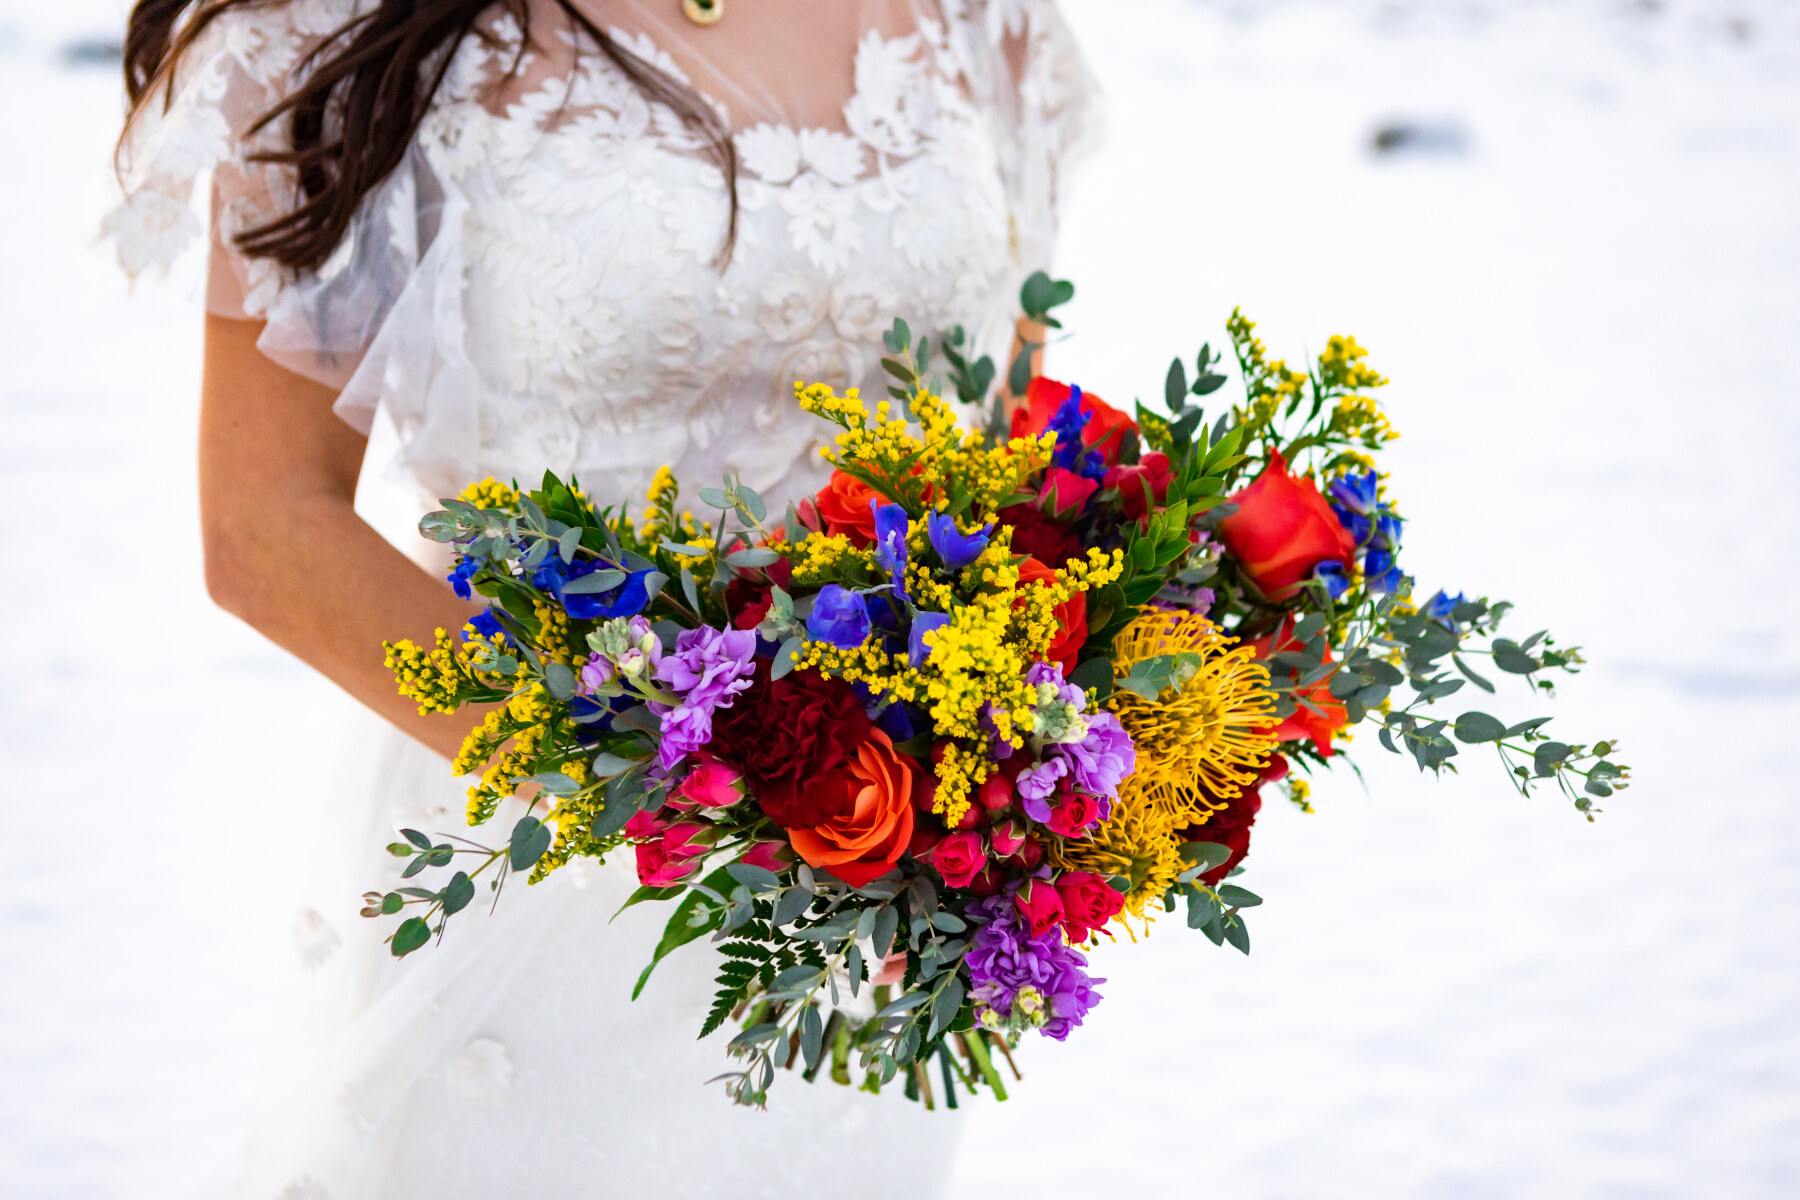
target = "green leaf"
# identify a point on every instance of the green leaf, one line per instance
(1473, 727)
(685, 549)
(1470, 675)
(1095, 673)
(1238, 934)
(565, 545)
(392, 903)
(691, 590)
(560, 680)
(754, 556)
(1238, 897)
(1527, 726)
(1206, 856)
(682, 928)
(1509, 657)
(412, 934)
(750, 502)
(812, 1036)
(416, 838)
(530, 839)
(554, 782)
(457, 893)
(599, 581)
(757, 879)
(649, 893)
(1548, 755)
(944, 1007)
(784, 657)
(1175, 387)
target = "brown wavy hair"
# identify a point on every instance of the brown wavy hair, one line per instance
(358, 100)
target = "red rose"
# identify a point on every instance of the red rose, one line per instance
(986, 881)
(1071, 618)
(1072, 815)
(871, 825)
(959, 858)
(748, 601)
(1089, 902)
(1064, 493)
(1008, 838)
(1043, 537)
(844, 507)
(1143, 486)
(1106, 427)
(790, 737)
(924, 838)
(1282, 529)
(1041, 905)
(1305, 723)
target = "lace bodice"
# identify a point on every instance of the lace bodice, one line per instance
(537, 285)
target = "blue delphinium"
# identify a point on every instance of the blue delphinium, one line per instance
(1333, 575)
(1356, 499)
(626, 599)
(922, 624)
(890, 541)
(1068, 423)
(461, 574)
(1442, 608)
(488, 625)
(1380, 572)
(955, 549)
(840, 617)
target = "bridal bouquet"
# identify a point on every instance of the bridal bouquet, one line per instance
(907, 753)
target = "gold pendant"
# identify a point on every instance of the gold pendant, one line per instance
(703, 12)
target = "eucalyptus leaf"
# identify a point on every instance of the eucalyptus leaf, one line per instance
(560, 680)
(751, 557)
(457, 893)
(530, 839)
(600, 581)
(757, 879)
(1474, 727)
(412, 934)
(567, 543)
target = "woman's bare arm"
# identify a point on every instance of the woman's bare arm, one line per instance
(285, 550)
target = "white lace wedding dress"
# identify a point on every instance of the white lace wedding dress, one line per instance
(536, 287)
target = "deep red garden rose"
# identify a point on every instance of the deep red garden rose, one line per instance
(959, 858)
(1305, 723)
(1143, 485)
(871, 826)
(791, 737)
(843, 505)
(1040, 904)
(1071, 618)
(1040, 535)
(1106, 427)
(1089, 902)
(1282, 529)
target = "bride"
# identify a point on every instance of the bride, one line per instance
(593, 236)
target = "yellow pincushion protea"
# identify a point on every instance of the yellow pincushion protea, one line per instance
(1198, 740)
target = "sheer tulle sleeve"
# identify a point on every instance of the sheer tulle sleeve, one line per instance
(200, 148)
(1030, 76)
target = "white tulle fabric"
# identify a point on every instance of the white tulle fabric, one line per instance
(536, 287)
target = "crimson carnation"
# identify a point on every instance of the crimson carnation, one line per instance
(1229, 828)
(1040, 535)
(791, 737)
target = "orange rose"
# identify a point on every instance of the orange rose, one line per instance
(1071, 617)
(1305, 723)
(844, 506)
(1282, 529)
(873, 825)
(1106, 425)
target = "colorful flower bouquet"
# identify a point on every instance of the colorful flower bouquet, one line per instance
(907, 753)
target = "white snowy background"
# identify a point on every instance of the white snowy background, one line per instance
(1583, 276)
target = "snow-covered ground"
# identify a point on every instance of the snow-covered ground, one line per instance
(1587, 290)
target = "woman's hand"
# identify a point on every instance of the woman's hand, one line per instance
(285, 550)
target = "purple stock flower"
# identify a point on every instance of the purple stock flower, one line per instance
(709, 666)
(839, 616)
(707, 669)
(1050, 673)
(1102, 760)
(955, 549)
(1004, 959)
(1037, 784)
